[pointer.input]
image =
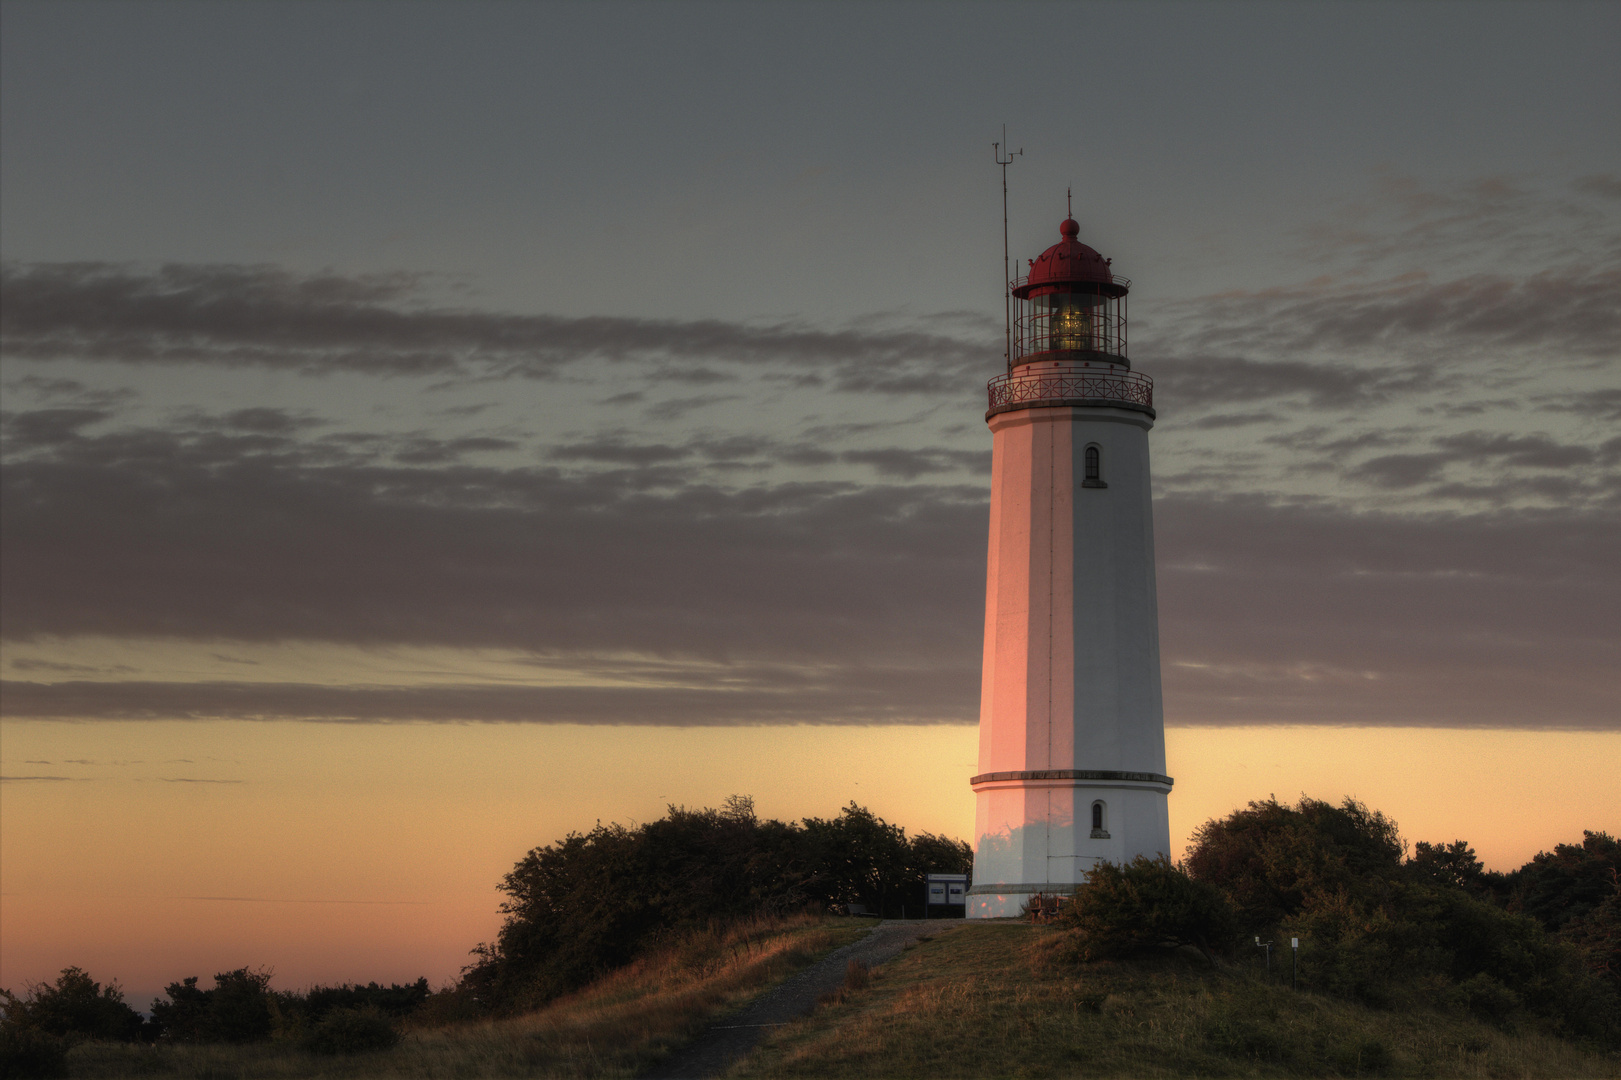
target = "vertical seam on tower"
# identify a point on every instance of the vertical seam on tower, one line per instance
(1052, 531)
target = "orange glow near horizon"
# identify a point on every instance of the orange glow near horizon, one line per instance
(333, 853)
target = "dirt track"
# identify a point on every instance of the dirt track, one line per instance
(710, 1054)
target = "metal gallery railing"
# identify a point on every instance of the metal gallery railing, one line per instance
(1054, 383)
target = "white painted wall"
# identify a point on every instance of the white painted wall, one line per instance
(1071, 662)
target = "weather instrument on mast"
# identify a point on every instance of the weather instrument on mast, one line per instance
(1007, 284)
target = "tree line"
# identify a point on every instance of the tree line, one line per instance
(593, 902)
(40, 1025)
(1539, 945)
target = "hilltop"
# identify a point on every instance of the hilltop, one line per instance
(1002, 999)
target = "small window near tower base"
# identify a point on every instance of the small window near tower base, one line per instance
(1099, 821)
(1092, 477)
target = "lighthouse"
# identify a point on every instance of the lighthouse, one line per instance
(1071, 726)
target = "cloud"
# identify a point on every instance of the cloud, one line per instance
(1525, 451)
(1604, 185)
(873, 696)
(1184, 384)
(1489, 450)
(1602, 404)
(256, 316)
(1566, 313)
(1488, 222)
(1402, 470)
(787, 602)
(1216, 421)
(29, 663)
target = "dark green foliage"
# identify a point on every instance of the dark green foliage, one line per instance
(393, 1001)
(27, 1052)
(75, 1007)
(1271, 858)
(1575, 891)
(236, 1010)
(351, 1031)
(1389, 933)
(591, 903)
(1569, 882)
(1454, 865)
(1597, 933)
(1146, 903)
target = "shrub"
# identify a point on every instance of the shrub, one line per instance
(592, 903)
(1271, 858)
(29, 1052)
(1387, 933)
(1144, 903)
(394, 1000)
(352, 1031)
(236, 1010)
(74, 1007)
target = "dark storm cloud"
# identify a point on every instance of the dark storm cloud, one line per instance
(776, 603)
(246, 316)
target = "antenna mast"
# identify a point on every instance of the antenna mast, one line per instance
(1007, 283)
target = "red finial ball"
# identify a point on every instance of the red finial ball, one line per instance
(1070, 228)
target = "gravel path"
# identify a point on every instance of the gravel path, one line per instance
(710, 1054)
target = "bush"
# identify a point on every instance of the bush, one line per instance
(236, 1010)
(29, 1052)
(75, 1007)
(1146, 903)
(1271, 859)
(1387, 933)
(589, 904)
(393, 1001)
(352, 1031)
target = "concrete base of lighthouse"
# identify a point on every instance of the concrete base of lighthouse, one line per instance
(1036, 835)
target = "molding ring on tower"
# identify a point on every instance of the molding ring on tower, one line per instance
(1072, 774)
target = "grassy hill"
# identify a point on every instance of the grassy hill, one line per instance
(977, 1000)
(613, 1028)
(998, 999)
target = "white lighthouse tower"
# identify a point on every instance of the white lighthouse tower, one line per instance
(1071, 728)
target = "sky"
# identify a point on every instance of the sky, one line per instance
(432, 428)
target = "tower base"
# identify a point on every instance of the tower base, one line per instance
(1038, 835)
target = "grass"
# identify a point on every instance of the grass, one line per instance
(999, 1000)
(616, 1027)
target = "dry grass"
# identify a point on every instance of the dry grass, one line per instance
(614, 1028)
(996, 1000)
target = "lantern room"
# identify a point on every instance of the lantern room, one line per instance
(1071, 307)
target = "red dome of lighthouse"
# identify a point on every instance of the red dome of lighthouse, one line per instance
(1069, 266)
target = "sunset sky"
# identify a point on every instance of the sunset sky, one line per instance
(433, 428)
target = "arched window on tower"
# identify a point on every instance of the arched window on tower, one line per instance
(1100, 821)
(1092, 473)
